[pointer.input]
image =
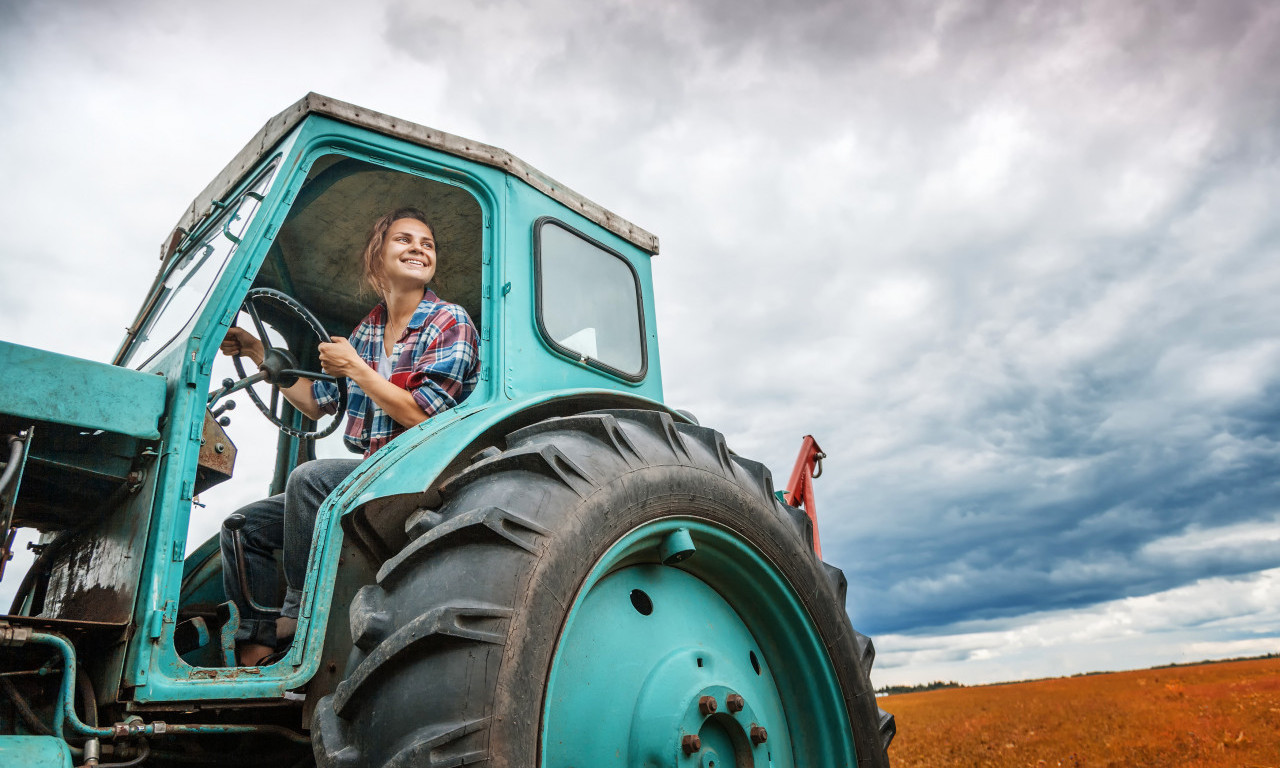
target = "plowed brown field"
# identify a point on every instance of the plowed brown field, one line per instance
(1224, 715)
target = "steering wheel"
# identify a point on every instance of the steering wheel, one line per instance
(279, 367)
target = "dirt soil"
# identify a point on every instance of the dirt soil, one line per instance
(1224, 715)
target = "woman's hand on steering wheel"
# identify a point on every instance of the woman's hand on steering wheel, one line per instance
(239, 342)
(339, 358)
(276, 365)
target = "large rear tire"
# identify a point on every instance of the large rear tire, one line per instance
(580, 595)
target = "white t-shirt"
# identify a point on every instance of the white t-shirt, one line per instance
(385, 364)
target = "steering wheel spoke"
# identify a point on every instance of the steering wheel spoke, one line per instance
(279, 368)
(275, 404)
(252, 311)
(313, 375)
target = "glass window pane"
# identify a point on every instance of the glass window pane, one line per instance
(589, 300)
(193, 273)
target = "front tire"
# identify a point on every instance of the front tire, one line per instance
(531, 620)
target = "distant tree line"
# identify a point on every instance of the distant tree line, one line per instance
(890, 690)
(935, 685)
(1217, 661)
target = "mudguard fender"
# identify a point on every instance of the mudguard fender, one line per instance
(413, 461)
(405, 472)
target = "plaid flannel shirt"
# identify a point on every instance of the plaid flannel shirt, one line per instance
(436, 359)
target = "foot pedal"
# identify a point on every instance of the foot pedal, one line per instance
(190, 635)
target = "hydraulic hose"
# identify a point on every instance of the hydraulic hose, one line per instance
(144, 751)
(65, 712)
(88, 699)
(33, 573)
(33, 723)
(16, 446)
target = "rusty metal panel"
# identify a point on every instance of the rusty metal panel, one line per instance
(73, 474)
(217, 455)
(94, 576)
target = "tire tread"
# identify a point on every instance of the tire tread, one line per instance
(450, 622)
(473, 525)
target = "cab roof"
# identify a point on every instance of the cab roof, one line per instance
(315, 104)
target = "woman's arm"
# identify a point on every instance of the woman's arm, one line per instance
(339, 358)
(238, 341)
(442, 375)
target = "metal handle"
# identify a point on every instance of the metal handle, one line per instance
(234, 523)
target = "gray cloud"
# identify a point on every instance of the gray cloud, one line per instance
(1013, 264)
(1201, 620)
(1013, 249)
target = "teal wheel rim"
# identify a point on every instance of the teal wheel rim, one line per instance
(648, 649)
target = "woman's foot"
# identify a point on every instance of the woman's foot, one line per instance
(259, 655)
(252, 654)
(286, 626)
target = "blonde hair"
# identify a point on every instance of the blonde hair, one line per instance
(372, 259)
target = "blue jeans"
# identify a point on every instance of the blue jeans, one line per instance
(286, 521)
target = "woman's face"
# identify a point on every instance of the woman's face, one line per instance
(408, 254)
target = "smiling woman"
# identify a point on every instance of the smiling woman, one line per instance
(401, 252)
(413, 356)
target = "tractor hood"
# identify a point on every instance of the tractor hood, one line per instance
(44, 387)
(90, 423)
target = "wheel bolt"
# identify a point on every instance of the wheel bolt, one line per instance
(735, 702)
(691, 744)
(707, 705)
(758, 735)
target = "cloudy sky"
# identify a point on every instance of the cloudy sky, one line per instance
(1012, 263)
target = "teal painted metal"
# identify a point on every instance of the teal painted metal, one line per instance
(408, 463)
(690, 644)
(46, 386)
(202, 574)
(532, 364)
(722, 622)
(34, 752)
(676, 546)
(187, 364)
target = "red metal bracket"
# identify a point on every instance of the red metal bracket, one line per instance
(799, 491)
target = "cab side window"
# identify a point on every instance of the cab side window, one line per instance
(589, 301)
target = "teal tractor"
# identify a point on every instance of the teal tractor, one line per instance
(560, 571)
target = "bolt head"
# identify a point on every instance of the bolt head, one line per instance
(735, 702)
(707, 705)
(690, 744)
(758, 735)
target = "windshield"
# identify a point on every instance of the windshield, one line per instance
(191, 274)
